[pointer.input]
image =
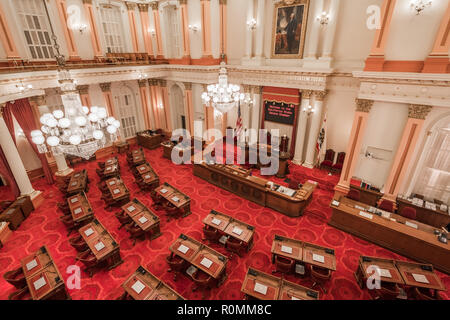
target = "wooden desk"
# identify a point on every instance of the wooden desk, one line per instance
(43, 277)
(118, 190)
(111, 170)
(175, 197)
(410, 270)
(296, 245)
(254, 152)
(143, 285)
(143, 217)
(25, 205)
(420, 244)
(80, 209)
(149, 140)
(388, 269)
(14, 216)
(238, 181)
(168, 147)
(101, 243)
(78, 182)
(111, 161)
(433, 218)
(369, 197)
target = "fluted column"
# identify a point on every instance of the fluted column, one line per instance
(408, 142)
(6, 38)
(257, 105)
(84, 95)
(156, 19)
(354, 145)
(245, 109)
(143, 12)
(316, 118)
(330, 29)
(153, 86)
(301, 128)
(107, 95)
(223, 26)
(68, 34)
(206, 28)
(166, 104)
(189, 107)
(185, 29)
(132, 22)
(260, 13)
(143, 92)
(89, 10)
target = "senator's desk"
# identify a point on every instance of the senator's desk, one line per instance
(433, 218)
(111, 170)
(175, 197)
(138, 158)
(143, 285)
(369, 197)
(254, 152)
(237, 180)
(25, 204)
(14, 216)
(198, 254)
(148, 140)
(80, 208)
(43, 278)
(101, 243)
(269, 287)
(420, 244)
(148, 175)
(182, 149)
(143, 217)
(78, 182)
(117, 189)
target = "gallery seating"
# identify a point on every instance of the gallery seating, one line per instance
(327, 163)
(337, 167)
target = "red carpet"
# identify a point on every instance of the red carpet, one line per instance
(44, 228)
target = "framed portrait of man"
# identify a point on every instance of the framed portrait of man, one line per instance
(289, 29)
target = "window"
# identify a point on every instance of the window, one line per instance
(128, 116)
(33, 19)
(172, 26)
(112, 28)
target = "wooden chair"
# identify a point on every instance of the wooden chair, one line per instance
(320, 276)
(176, 265)
(69, 223)
(78, 243)
(234, 245)
(123, 218)
(387, 291)
(409, 213)
(386, 205)
(211, 234)
(89, 261)
(202, 281)
(22, 294)
(16, 278)
(426, 294)
(283, 265)
(135, 232)
(171, 211)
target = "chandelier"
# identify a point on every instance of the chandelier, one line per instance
(77, 130)
(223, 96)
(420, 5)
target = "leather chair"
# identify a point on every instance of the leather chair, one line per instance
(320, 276)
(353, 194)
(211, 234)
(89, 261)
(234, 245)
(176, 265)
(337, 167)
(123, 218)
(426, 294)
(386, 205)
(327, 163)
(64, 208)
(22, 294)
(78, 243)
(16, 277)
(171, 211)
(157, 200)
(135, 232)
(283, 265)
(69, 223)
(202, 281)
(409, 213)
(388, 291)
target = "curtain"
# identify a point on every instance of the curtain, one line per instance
(6, 172)
(7, 116)
(24, 116)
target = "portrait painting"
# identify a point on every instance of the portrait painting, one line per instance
(290, 20)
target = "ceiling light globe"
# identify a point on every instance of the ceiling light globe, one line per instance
(116, 124)
(80, 121)
(58, 114)
(110, 120)
(98, 134)
(111, 129)
(85, 109)
(52, 141)
(75, 140)
(36, 133)
(94, 109)
(64, 123)
(38, 140)
(93, 117)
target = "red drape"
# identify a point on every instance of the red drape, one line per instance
(6, 172)
(24, 116)
(7, 116)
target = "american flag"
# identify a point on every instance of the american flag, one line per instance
(239, 122)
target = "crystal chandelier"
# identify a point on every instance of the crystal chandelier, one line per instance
(76, 130)
(420, 5)
(223, 96)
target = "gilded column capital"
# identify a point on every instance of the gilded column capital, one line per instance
(142, 83)
(163, 83)
(143, 7)
(87, 2)
(188, 86)
(106, 87)
(320, 95)
(39, 100)
(247, 88)
(223, 2)
(306, 94)
(183, 2)
(417, 111)
(130, 5)
(154, 5)
(256, 89)
(84, 89)
(363, 105)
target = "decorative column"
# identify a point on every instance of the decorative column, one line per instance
(316, 118)
(7, 39)
(223, 26)
(354, 145)
(156, 19)
(249, 32)
(256, 112)
(68, 34)
(408, 142)
(313, 41)
(143, 92)
(143, 11)
(189, 107)
(94, 30)
(153, 86)
(16, 164)
(166, 104)
(206, 28)
(185, 30)
(245, 109)
(84, 95)
(106, 89)
(301, 128)
(132, 21)
(330, 31)
(259, 45)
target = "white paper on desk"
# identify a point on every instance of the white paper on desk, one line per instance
(286, 249)
(176, 199)
(420, 278)
(294, 298)
(99, 246)
(412, 225)
(365, 215)
(183, 249)
(318, 258)
(385, 273)
(108, 168)
(39, 283)
(217, 222)
(109, 161)
(163, 191)
(77, 210)
(74, 200)
(206, 262)
(131, 208)
(111, 183)
(237, 231)
(142, 168)
(335, 203)
(31, 264)
(77, 175)
(116, 191)
(147, 176)
(260, 288)
(74, 183)
(143, 220)
(138, 287)
(359, 207)
(88, 232)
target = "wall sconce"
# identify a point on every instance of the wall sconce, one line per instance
(142, 76)
(420, 5)
(251, 24)
(81, 27)
(309, 110)
(194, 28)
(160, 106)
(152, 32)
(323, 19)
(22, 88)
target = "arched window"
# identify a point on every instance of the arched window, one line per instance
(34, 23)
(128, 113)
(172, 30)
(434, 178)
(112, 28)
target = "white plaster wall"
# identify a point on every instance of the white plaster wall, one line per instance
(82, 40)
(194, 18)
(236, 30)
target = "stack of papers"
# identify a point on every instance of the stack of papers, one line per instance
(74, 200)
(385, 273)
(237, 231)
(116, 191)
(365, 215)
(163, 191)
(77, 211)
(260, 288)
(420, 278)
(176, 199)
(147, 176)
(412, 225)
(111, 183)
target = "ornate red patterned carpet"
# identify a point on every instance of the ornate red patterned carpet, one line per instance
(43, 227)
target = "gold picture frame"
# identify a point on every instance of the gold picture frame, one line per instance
(290, 19)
